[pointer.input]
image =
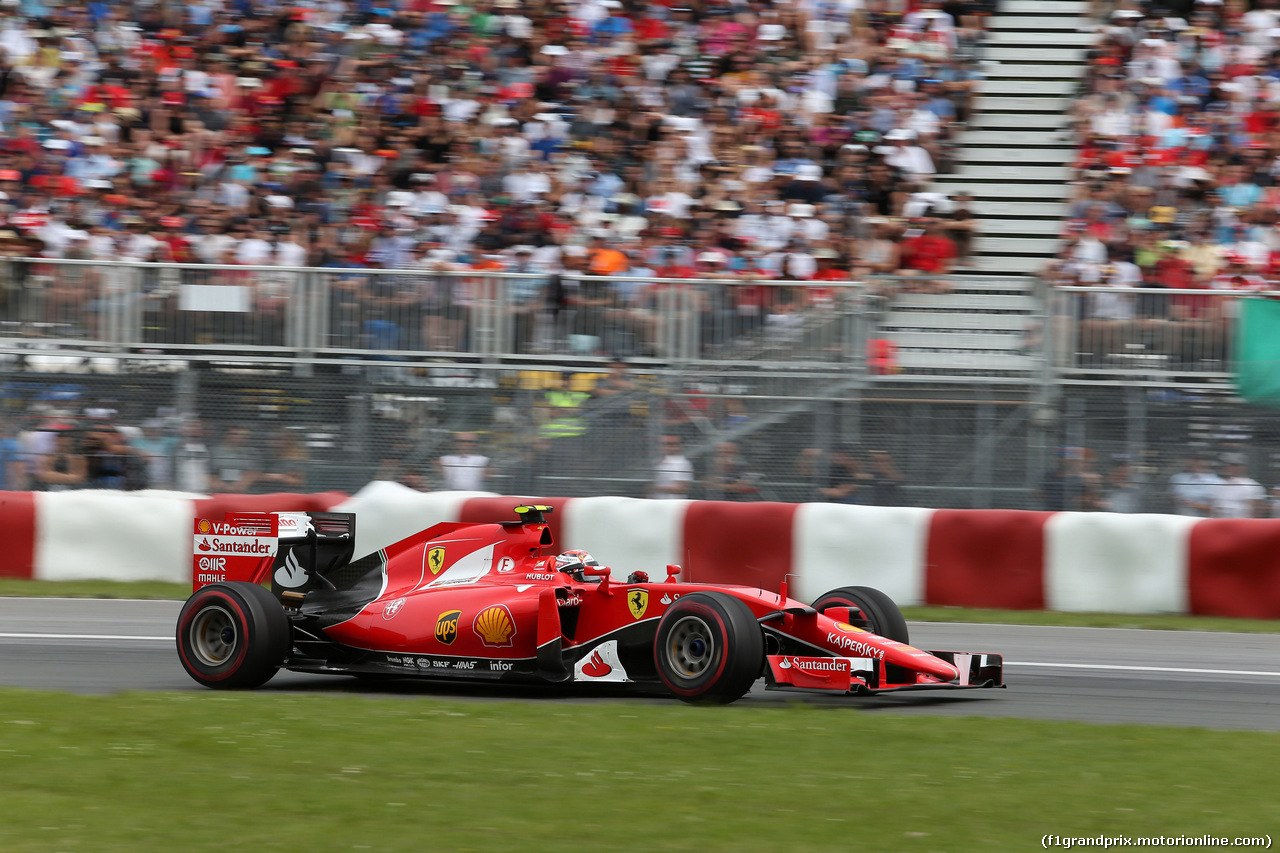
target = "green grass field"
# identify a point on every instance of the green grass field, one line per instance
(213, 771)
(1170, 622)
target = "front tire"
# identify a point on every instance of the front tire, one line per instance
(882, 616)
(232, 636)
(708, 648)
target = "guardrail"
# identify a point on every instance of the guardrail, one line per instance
(1133, 331)
(414, 316)
(409, 313)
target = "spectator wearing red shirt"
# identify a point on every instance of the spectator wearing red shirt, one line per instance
(827, 270)
(932, 253)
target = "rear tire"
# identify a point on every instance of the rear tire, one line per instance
(882, 616)
(233, 635)
(709, 648)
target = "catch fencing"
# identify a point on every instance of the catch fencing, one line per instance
(972, 398)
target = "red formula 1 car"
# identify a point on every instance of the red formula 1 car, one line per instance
(492, 602)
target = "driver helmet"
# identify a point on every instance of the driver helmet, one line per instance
(573, 562)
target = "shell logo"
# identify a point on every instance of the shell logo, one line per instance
(205, 526)
(849, 629)
(494, 626)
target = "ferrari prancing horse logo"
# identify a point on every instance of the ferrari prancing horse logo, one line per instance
(638, 601)
(435, 559)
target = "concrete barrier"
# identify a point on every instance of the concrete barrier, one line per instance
(973, 558)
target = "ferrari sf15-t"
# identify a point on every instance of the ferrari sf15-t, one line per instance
(494, 602)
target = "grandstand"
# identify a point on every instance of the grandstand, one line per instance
(369, 236)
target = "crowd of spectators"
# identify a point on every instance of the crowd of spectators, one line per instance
(1203, 484)
(64, 449)
(710, 139)
(1177, 175)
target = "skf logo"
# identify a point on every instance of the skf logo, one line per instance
(494, 626)
(638, 602)
(205, 526)
(435, 560)
(596, 667)
(447, 627)
(392, 608)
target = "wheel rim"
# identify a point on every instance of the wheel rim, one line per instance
(690, 647)
(213, 636)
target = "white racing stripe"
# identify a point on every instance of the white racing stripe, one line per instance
(1124, 668)
(24, 636)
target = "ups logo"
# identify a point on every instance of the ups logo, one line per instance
(447, 627)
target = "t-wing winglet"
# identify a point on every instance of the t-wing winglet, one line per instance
(533, 513)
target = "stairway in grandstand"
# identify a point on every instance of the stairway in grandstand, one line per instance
(1014, 160)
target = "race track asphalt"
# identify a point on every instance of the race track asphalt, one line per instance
(1214, 680)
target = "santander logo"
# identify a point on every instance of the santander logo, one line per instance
(596, 667)
(291, 574)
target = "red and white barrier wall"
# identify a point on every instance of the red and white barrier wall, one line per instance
(971, 558)
(122, 536)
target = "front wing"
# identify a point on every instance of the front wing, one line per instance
(864, 676)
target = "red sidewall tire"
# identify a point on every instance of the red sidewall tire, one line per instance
(729, 632)
(196, 605)
(260, 635)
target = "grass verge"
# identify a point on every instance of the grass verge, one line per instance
(165, 772)
(95, 589)
(1157, 621)
(1168, 622)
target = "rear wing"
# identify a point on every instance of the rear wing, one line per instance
(295, 550)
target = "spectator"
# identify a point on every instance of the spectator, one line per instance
(1121, 494)
(1061, 488)
(112, 463)
(810, 465)
(1194, 488)
(928, 254)
(845, 479)
(156, 447)
(285, 467)
(191, 468)
(1238, 496)
(886, 481)
(464, 470)
(64, 466)
(234, 465)
(400, 464)
(13, 464)
(352, 137)
(673, 474)
(728, 477)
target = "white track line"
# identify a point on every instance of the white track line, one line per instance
(1123, 668)
(23, 636)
